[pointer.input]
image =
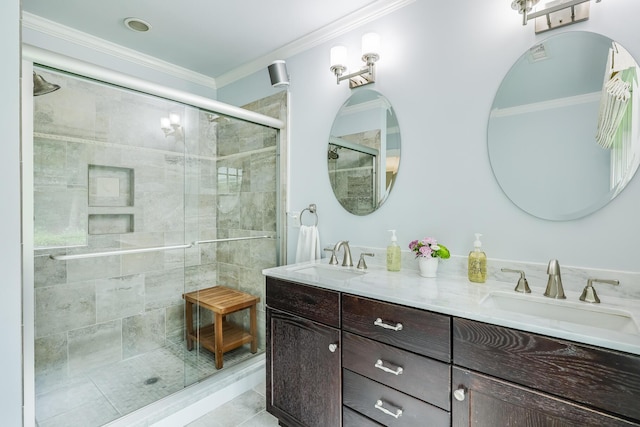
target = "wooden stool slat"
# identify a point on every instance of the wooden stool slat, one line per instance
(221, 300)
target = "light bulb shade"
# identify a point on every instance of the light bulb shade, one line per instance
(278, 73)
(174, 119)
(339, 56)
(370, 44)
(165, 123)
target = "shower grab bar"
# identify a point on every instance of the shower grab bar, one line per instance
(151, 249)
(119, 252)
(231, 239)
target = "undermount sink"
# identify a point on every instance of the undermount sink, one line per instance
(564, 311)
(332, 272)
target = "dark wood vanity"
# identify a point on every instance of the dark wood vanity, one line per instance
(339, 359)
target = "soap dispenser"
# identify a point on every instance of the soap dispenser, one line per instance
(477, 262)
(393, 253)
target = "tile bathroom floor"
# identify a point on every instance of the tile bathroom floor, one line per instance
(99, 397)
(246, 410)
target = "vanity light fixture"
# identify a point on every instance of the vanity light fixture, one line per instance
(554, 14)
(370, 54)
(171, 125)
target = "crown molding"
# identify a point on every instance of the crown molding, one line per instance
(348, 23)
(80, 38)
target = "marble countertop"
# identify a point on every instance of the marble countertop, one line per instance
(457, 296)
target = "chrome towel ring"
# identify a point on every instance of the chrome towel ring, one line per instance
(313, 210)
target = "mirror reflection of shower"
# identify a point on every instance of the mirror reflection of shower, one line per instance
(333, 153)
(41, 86)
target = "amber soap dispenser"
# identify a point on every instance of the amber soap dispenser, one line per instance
(477, 262)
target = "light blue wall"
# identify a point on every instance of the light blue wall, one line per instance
(440, 66)
(11, 301)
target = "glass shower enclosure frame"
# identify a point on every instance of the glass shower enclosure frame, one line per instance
(107, 261)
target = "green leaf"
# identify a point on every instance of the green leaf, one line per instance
(443, 252)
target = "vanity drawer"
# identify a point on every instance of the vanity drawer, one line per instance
(351, 418)
(421, 377)
(606, 379)
(412, 329)
(312, 303)
(365, 396)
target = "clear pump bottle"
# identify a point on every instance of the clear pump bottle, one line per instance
(393, 253)
(477, 262)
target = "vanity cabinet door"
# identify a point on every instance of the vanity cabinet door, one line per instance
(605, 379)
(482, 401)
(303, 371)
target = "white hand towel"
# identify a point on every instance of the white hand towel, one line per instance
(308, 244)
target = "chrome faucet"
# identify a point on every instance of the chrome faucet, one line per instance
(589, 293)
(333, 260)
(554, 285)
(346, 260)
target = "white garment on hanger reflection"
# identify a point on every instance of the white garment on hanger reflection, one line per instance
(308, 244)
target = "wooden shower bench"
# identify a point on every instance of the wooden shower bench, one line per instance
(221, 336)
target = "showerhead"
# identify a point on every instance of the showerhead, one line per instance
(41, 86)
(333, 154)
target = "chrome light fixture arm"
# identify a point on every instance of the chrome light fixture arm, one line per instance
(576, 13)
(362, 77)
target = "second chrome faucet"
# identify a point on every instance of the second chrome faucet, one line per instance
(554, 284)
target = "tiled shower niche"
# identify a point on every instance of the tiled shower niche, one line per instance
(111, 200)
(110, 186)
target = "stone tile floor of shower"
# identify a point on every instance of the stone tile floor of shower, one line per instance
(104, 395)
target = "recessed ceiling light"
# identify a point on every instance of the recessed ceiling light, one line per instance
(137, 25)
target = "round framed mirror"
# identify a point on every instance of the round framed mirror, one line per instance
(363, 154)
(563, 133)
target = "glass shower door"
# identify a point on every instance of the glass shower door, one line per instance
(137, 201)
(111, 249)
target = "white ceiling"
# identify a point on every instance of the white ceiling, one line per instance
(214, 38)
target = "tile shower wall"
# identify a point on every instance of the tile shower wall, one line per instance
(250, 209)
(93, 312)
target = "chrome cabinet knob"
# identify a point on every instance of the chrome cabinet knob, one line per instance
(333, 348)
(459, 394)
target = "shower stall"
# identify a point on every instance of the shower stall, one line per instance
(137, 200)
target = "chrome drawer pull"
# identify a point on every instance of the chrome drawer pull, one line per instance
(333, 348)
(380, 365)
(380, 323)
(379, 406)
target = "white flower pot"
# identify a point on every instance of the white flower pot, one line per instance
(428, 266)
